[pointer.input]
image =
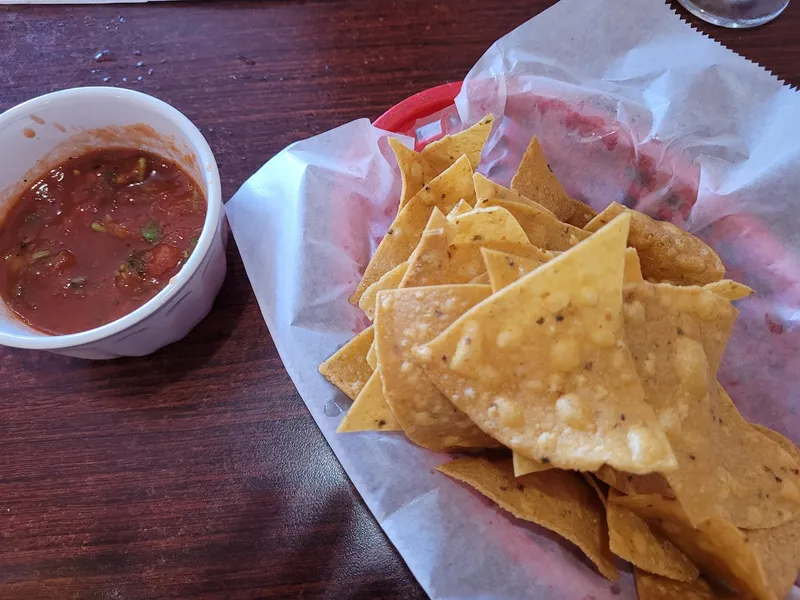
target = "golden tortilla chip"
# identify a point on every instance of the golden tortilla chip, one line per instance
(470, 142)
(667, 253)
(677, 336)
(589, 478)
(486, 189)
(631, 539)
(535, 180)
(761, 463)
(413, 167)
(633, 268)
(504, 269)
(784, 442)
(542, 365)
(541, 228)
(555, 499)
(761, 562)
(655, 587)
(370, 411)
(482, 279)
(348, 369)
(438, 261)
(389, 281)
(405, 318)
(524, 466)
(443, 192)
(778, 551)
(418, 168)
(372, 356)
(728, 289)
(432, 262)
(435, 262)
(459, 209)
(492, 223)
(582, 214)
(439, 222)
(632, 485)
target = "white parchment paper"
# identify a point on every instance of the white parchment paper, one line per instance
(623, 95)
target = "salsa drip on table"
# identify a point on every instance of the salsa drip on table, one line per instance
(96, 237)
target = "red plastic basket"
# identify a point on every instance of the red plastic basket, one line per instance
(402, 116)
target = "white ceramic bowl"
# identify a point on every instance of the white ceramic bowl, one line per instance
(37, 135)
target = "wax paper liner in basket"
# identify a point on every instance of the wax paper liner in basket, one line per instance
(631, 105)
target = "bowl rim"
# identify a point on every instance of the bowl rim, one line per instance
(45, 341)
(401, 117)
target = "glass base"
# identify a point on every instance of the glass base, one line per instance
(735, 13)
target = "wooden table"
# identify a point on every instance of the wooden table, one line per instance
(197, 472)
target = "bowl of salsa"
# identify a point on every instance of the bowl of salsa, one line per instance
(112, 233)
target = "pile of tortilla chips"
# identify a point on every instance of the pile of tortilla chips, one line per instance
(571, 358)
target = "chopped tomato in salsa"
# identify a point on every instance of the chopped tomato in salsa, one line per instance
(96, 238)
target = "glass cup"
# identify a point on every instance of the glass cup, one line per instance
(735, 13)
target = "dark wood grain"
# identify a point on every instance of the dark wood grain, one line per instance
(197, 472)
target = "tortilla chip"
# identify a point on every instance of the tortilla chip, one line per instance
(348, 369)
(486, 189)
(784, 442)
(504, 269)
(542, 365)
(459, 209)
(524, 466)
(438, 261)
(493, 223)
(469, 142)
(654, 587)
(668, 254)
(555, 499)
(535, 180)
(778, 551)
(389, 281)
(413, 167)
(520, 250)
(432, 262)
(760, 465)
(443, 192)
(595, 484)
(541, 228)
(405, 318)
(633, 268)
(438, 223)
(677, 336)
(715, 546)
(435, 262)
(762, 562)
(728, 289)
(582, 214)
(631, 539)
(372, 357)
(370, 411)
(482, 279)
(418, 168)
(632, 485)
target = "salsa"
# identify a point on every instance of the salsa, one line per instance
(97, 237)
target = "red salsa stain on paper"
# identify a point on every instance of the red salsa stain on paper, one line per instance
(97, 237)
